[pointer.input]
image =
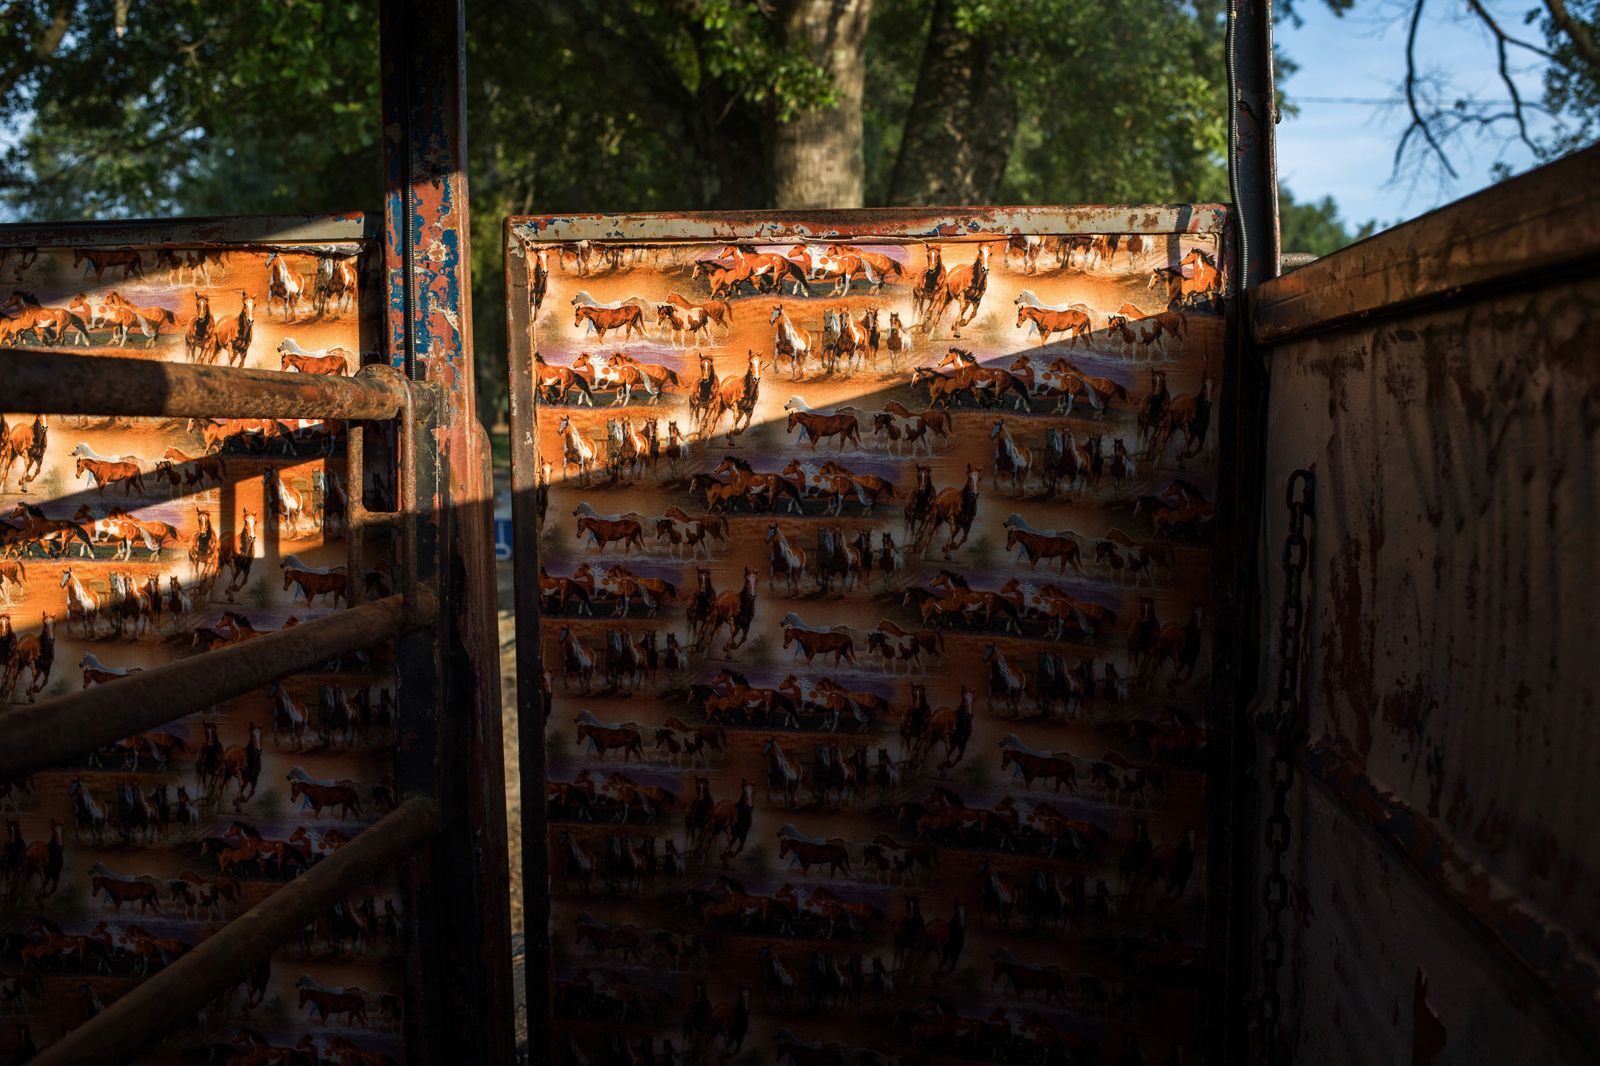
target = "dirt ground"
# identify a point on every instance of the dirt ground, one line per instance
(508, 700)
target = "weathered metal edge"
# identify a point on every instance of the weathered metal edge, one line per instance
(524, 418)
(354, 227)
(1544, 222)
(930, 223)
(1553, 956)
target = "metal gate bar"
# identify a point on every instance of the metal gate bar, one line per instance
(58, 383)
(48, 733)
(139, 1018)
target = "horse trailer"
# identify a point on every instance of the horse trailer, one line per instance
(1042, 634)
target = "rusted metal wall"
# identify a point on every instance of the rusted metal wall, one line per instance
(838, 772)
(1445, 869)
(428, 333)
(119, 862)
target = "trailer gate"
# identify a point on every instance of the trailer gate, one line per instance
(876, 687)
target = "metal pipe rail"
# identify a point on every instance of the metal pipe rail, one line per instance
(47, 734)
(141, 1017)
(59, 383)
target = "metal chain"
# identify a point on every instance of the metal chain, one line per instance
(1285, 738)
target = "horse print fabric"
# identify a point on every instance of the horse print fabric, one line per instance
(875, 578)
(126, 543)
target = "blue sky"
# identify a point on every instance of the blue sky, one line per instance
(1346, 150)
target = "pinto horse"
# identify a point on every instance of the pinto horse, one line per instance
(283, 285)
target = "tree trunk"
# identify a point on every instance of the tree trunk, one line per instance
(962, 121)
(817, 155)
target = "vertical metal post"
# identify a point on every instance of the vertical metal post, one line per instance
(1253, 151)
(1232, 759)
(464, 910)
(531, 709)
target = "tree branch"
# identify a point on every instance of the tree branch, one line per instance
(1583, 42)
(1502, 41)
(1419, 122)
(44, 47)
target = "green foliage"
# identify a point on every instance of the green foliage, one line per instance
(603, 105)
(1316, 227)
(1571, 81)
(195, 107)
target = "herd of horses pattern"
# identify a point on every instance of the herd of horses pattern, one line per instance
(875, 581)
(127, 543)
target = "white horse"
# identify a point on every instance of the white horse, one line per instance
(1018, 458)
(1005, 681)
(576, 450)
(288, 716)
(787, 335)
(283, 285)
(785, 558)
(283, 501)
(82, 604)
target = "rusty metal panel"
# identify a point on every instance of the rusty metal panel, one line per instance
(126, 857)
(894, 758)
(428, 333)
(1447, 882)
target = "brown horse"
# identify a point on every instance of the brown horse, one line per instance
(107, 471)
(629, 318)
(1041, 546)
(1074, 322)
(328, 364)
(319, 796)
(1025, 977)
(233, 335)
(833, 854)
(120, 890)
(50, 325)
(953, 507)
(735, 396)
(812, 642)
(102, 259)
(197, 338)
(605, 737)
(817, 427)
(963, 287)
(25, 443)
(627, 531)
(332, 1002)
(735, 609)
(1038, 765)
